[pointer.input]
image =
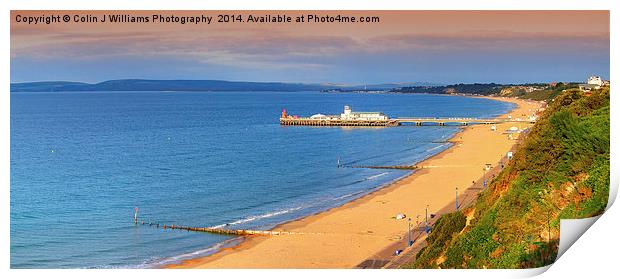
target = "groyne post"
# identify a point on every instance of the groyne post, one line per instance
(135, 215)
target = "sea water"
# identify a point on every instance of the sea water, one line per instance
(82, 161)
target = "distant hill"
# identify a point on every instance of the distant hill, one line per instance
(43, 86)
(191, 85)
(473, 88)
(373, 88)
(162, 85)
(386, 86)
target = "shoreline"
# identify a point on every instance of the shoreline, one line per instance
(338, 227)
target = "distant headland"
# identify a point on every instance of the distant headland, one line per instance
(196, 85)
(536, 91)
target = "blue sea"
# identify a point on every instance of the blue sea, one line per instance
(81, 162)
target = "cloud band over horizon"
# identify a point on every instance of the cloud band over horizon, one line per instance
(405, 46)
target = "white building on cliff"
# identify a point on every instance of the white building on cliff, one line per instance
(594, 82)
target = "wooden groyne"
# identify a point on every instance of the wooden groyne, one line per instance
(214, 230)
(412, 167)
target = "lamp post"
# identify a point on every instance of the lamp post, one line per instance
(426, 220)
(417, 224)
(410, 242)
(457, 198)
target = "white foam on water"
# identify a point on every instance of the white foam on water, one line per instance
(191, 255)
(376, 176)
(158, 262)
(436, 147)
(349, 195)
(258, 217)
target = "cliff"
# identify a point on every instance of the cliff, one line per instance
(560, 171)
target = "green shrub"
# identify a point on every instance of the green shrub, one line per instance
(560, 171)
(442, 233)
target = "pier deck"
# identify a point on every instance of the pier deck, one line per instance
(417, 121)
(336, 122)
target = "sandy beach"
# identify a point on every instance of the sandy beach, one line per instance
(345, 236)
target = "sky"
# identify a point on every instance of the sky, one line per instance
(405, 46)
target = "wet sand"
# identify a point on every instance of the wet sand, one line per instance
(345, 236)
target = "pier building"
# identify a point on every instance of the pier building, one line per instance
(348, 114)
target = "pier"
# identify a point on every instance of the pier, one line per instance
(420, 121)
(336, 122)
(372, 119)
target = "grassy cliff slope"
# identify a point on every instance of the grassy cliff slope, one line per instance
(560, 171)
